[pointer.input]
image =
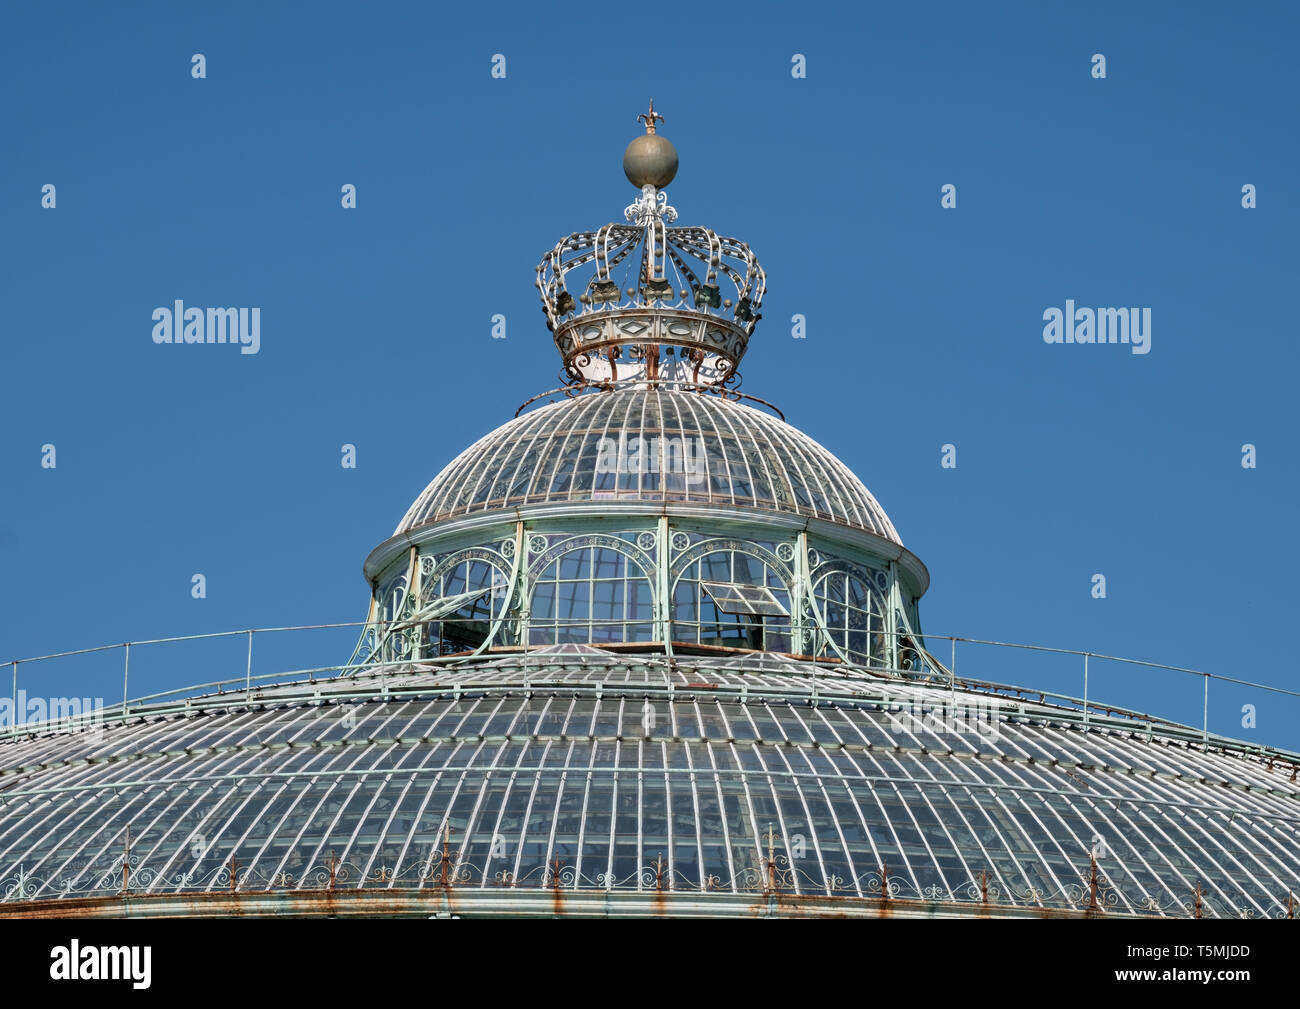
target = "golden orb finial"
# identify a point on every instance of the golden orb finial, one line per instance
(650, 160)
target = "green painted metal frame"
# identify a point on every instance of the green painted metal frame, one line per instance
(662, 566)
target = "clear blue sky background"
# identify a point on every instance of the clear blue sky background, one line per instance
(924, 325)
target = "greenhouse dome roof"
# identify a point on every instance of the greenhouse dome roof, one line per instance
(652, 445)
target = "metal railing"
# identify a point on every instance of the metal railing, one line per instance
(1082, 707)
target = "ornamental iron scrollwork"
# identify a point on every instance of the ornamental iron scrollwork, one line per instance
(771, 873)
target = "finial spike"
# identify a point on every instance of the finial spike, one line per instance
(649, 118)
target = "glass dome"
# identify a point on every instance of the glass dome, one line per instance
(653, 445)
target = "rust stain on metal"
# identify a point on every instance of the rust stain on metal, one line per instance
(557, 895)
(428, 901)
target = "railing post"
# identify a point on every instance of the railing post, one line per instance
(248, 675)
(952, 669)
(13, 730)
(1085, 690)
(126, 670)
(1205, 716)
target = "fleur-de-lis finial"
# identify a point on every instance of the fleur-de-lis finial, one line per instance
(649, 118)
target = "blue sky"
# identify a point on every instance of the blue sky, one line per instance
(924, 324)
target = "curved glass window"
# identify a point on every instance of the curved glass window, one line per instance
(392, 594)
(481, 589)
(723, 581)
(591, 595)
(392, 599)
(852, 614)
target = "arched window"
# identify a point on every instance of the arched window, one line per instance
(732, 599)
(591, 595)
(852, 614)
(392, 599)
(475, 591)
(392, 594)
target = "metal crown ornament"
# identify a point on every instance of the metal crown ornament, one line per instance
(654, 304)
